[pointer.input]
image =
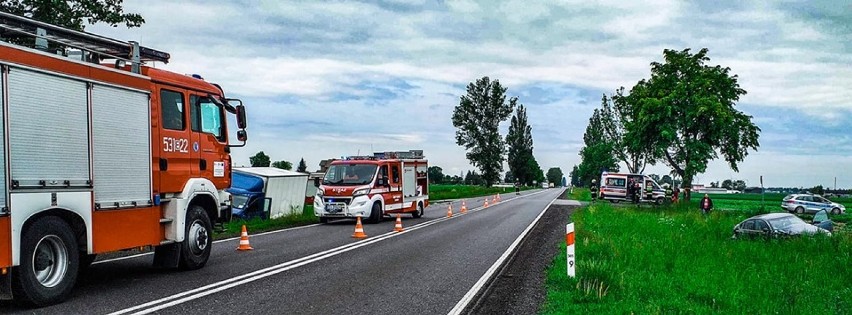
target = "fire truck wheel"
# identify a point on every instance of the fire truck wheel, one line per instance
(419, 212)
(49, 263)
(375, 213)
(195, 249)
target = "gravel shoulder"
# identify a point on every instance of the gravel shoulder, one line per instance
(519, 288)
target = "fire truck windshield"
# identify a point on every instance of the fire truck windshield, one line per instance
(349, 174)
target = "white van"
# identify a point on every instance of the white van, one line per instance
(614, 187)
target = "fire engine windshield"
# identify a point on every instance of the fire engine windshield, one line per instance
(349, 174)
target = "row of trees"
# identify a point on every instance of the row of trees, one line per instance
(683, 116)
(262, 160)
(478, 116)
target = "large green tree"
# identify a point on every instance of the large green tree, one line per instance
(619, 118)
(73, 13)
(259, 160)
(596, 155)
(478, 118)
(554, 175)
(520, 146)
(688, 114)
(284, 165)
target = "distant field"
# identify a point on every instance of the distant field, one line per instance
(443, 192)
(664, 260)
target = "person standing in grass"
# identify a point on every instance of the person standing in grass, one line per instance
(675, 194)
(706, 204)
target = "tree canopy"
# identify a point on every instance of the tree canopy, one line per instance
(73, 13)
(303, 167)
(597, 154)
(688, 116)
(520, 143)
(284, 165)
(477, 117)
(554, 175)
(259, 160)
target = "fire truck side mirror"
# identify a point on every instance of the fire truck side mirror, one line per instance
(241, 116)
(316, 182)
(242, 136)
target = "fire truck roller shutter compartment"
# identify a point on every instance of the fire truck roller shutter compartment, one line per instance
(409, 184)
(122, 145)
(39, 102)
(3, 183)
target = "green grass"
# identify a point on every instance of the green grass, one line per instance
(655, 260)
(444, 192)
(257, 225)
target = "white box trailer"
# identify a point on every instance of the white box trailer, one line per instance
(267, 192)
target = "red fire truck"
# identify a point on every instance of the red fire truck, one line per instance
(373, 186)
(101, 154)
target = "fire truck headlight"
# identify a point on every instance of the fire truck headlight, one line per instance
(360, 192)
(319, 192)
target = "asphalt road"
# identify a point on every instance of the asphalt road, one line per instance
(320, 269)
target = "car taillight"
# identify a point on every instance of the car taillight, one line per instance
(791, 201)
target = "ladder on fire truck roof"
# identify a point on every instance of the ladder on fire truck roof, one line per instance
(100, 45)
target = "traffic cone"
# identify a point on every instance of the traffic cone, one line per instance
(464, 207)
(499, 198)
(496, 198)
(486, 203)
(244, 242)
(359, 230)
(398, 226)
(450, 211)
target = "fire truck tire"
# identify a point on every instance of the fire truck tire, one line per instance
(195, 249)
(375, 214)
(419, 212)
(49, 263)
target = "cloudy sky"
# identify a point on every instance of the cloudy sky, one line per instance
(327, 79)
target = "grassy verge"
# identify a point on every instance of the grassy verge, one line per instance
(667, 260)
(234, 228)
(443, 192)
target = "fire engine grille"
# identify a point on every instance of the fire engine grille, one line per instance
(345, 200)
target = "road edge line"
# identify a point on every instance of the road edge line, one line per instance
(468, 297)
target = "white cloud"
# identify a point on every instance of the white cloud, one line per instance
(295, 60)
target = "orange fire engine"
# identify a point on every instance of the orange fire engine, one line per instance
(103, 157)
(373, 186)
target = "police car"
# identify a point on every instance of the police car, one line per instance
(804, 203)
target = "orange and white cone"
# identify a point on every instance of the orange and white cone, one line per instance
(244, 242)
(398, 226)
(486, 203)
(464, 207)
(450, 211)
(359, 229)
(498, 198)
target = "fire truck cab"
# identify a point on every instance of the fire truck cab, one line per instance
(101, 153)
(373, 186)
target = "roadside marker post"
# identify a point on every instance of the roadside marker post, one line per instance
(569, 248)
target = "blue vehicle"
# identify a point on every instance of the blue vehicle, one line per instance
(248, 198)
(266, 192)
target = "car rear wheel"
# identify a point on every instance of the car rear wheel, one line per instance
(800, 210)
(835, 211)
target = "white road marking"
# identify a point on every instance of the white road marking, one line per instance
(214, 242)
(468, 297)
(219, 286)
